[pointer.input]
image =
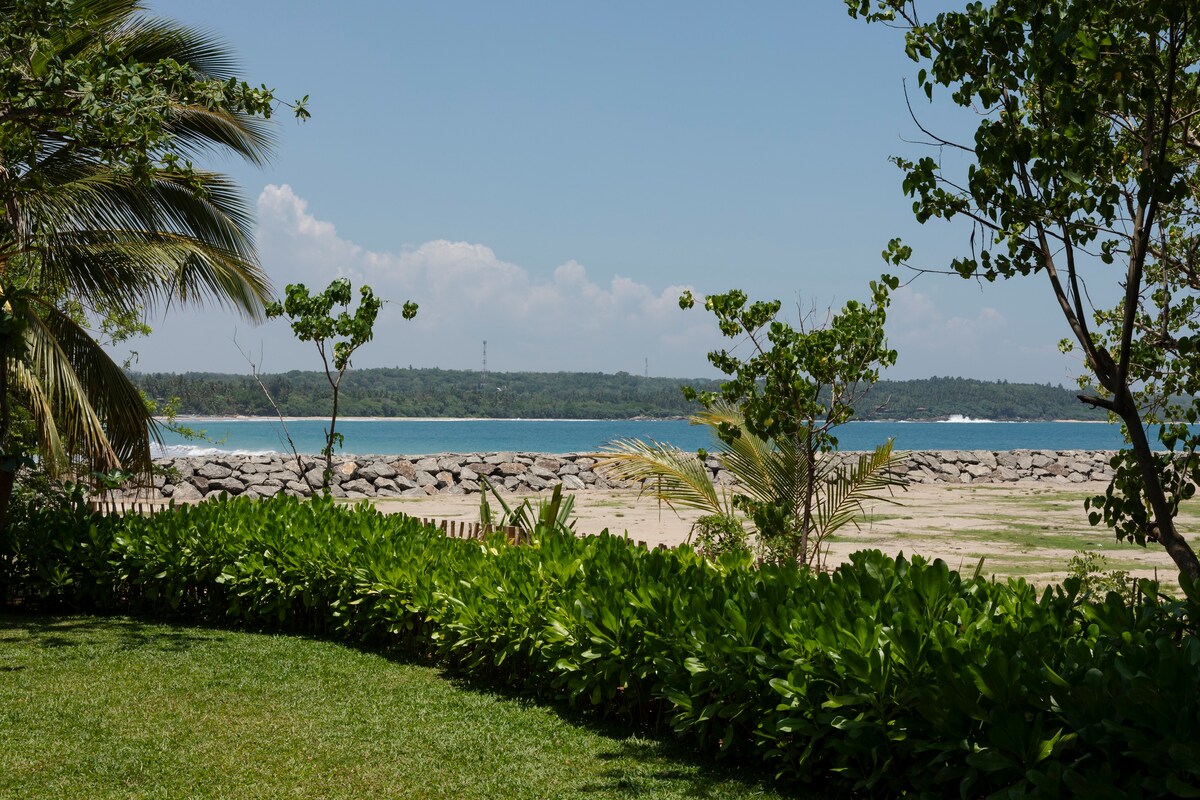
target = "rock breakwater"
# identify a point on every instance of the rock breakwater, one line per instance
(196, 478)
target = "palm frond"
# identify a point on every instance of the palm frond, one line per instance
(96, 410)
(750, 459)
(150, 39)
(201, 131)
(666, 474)
(841, 497)
(27, 391)
(198, 129)
(105, 235)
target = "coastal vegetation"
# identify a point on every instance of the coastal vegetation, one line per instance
(881, 676)
(407, 392)
(766, 476)
(885, 676)
(776, 417)
(337, 336)
(1082, 171)
(104, 215)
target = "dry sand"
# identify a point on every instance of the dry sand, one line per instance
(1026, 529)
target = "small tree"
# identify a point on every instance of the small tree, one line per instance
(766, 475)
(1084, 169)
(794, 388)
(312, 320)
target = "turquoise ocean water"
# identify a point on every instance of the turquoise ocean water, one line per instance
(412, 436)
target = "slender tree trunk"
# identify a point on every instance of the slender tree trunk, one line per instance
(809, 487)
(1164, 521)
(8, 467)
(330, 438)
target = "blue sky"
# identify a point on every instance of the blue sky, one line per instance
(549, 176)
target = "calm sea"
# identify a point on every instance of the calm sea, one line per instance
(413, 436)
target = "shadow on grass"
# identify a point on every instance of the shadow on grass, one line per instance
(707, 781)
(642, 756)
(657, 756)
(53, 632)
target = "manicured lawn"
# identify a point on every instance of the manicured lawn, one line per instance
(107, 708)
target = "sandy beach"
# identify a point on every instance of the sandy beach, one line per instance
(1026, 529)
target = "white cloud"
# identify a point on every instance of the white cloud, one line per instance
(975, 341)
(561, 320)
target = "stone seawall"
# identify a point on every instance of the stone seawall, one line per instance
(196, 478)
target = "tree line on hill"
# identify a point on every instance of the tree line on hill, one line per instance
(396, 392)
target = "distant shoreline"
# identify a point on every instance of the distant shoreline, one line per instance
(248, 418)
(394, 393)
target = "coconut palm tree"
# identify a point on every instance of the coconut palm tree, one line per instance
(91, 225)
(769, 478)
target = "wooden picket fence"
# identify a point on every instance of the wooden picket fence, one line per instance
(461, 529)
(106, 506)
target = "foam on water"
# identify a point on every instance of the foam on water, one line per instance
(198, 451)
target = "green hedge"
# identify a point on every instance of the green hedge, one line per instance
(886, 676)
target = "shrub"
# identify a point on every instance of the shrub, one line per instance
(886, 676)
(715, 535)
(1091, 569)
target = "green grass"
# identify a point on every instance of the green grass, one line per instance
(108, 708)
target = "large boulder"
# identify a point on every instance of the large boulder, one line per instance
(230, 485)
(298, 488)
(386, 484)
(377, 469)
(186, 493)
(533, 481)
(214, 470)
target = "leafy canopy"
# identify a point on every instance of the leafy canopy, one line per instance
(104, 215)
(797, 381)
(1083, 171)
(790, 392)
(95, 74)
(313, 320)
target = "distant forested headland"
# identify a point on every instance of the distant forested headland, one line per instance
(572, 395)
